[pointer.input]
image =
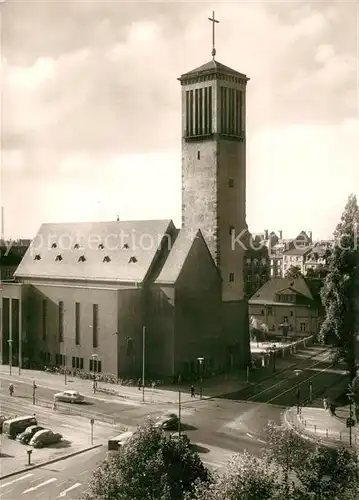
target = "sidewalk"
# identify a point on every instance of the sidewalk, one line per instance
(317, 424)
(212, 388)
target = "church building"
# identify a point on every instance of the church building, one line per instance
(105, 296)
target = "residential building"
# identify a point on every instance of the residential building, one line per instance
(289, 307)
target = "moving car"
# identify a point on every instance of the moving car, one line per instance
(118, 441)
(69, 397)
(26, 436)
(15, 426)
(167, 421)
(44, 437)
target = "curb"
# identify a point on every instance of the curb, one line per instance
(52, 461)
(309, 437)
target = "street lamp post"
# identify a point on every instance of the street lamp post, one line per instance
(201, 375)
(350, 421)
(297, 373)
(95, 361)
(143, 361)
(65, 367)
(10, 355)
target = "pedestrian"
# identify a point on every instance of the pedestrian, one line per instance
(54, 404)
(332, 408)
(153, 385)
(325, 403)
(192, 391)
(139, 384)
(11, 389)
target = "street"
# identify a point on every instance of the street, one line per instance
(217, 427)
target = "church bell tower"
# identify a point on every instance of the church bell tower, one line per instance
(214, 165)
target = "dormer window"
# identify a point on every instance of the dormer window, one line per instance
(106, 259)
(125, 245)
(81, 258)
(132, 259)
(101, 246)
(58, 257)
(37, 257)
(76, 245)
(54, 245)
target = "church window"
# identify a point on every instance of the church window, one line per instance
(231, 277)
(76, 245)
(230, 183)
(82, 258)
(58, 257)
(54, 245)
(61, 321)
(37, 257)
(198, 155)
(77, 323)
(106, 259)
(95, 325)
(101, 246)
(132, 259)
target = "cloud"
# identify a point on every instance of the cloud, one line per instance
(92, 102)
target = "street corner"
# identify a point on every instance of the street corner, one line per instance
(17, 457)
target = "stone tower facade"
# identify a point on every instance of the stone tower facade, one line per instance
(214, 166)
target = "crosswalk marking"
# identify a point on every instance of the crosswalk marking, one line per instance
(63, 493)
(15, 480)
(40, 485)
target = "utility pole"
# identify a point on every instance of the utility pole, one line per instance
(10, 355)
(34, 387)
(143, 361)
(20, 335)
(350, 420)
(65, 371)
(310, 392)
(10, 335)
(179, 414)
(92, 421)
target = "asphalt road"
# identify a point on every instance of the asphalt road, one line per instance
(218, 427)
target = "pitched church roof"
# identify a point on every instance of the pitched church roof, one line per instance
(115, 251)
(176, 258)
(178, 255)
(213, 66)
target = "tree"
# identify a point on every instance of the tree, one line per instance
(257, 329)
(319, 271)
(286, 448)
(246, 477)
(339, 290)
(329, 473)
(149, 466)
(294, 272)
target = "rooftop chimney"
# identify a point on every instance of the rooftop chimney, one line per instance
(280, 234)
(118, 218)
(266, 234)
(310, 235)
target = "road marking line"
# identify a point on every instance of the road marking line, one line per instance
(250, 435)
(261, 441)
(40, 485)
(15, 480)
(63, 493)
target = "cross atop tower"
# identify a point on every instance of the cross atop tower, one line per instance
(213, 21)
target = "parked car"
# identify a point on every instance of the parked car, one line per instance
(26, 436)
(44, 438)
(15, 426)
(69, 397)
(118, 441)
(167, 421)
(2, 420)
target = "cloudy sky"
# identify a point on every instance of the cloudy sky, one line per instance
(91, 108)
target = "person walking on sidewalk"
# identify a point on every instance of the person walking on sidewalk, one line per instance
(11, 389)
(192, 391)
(54, 404)
(139, 384)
